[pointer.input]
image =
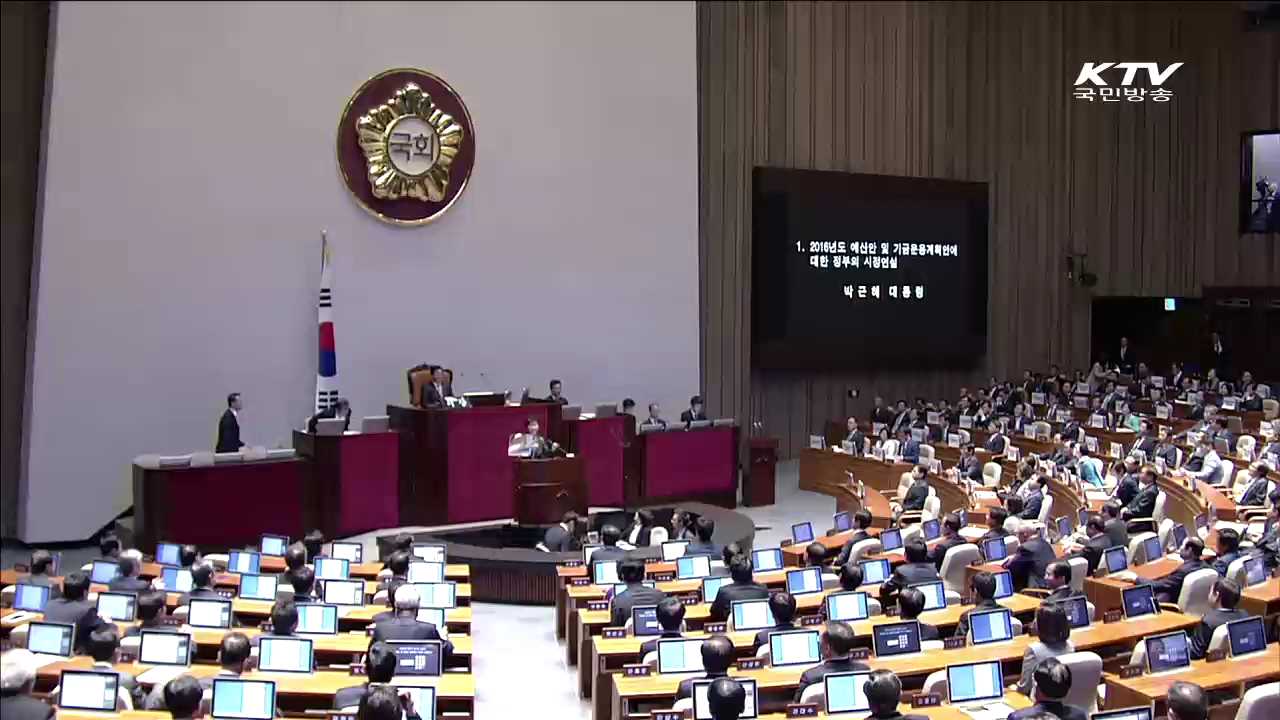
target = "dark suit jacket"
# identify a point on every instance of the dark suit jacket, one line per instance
(686, 686)
(228, 433)
(1146, 445)
(128, 584)
(1027, 566)
(915, 497)
(652, 645)
(1211, 621)
(996, 443)
(817, 672)
(81, 613)
(1256, 492)
(970, 468)
(1224, 561)
(350, 696)
(1093, 550)
(634, 596)
(962, 627)
(1127, 489)
(857, 537)
(1063, 593)
(904, 575)
(1117, 532)
(409, 628)
(762, 637)
(1143, 504)
(557, 539)
(199, 594)
(328, 413)
(697, 547)
(1170, 585)
(858, 439)
(939, 551)
(1057, 709)
(687, 416)
(24, 707)
(910, 450)
(432, 397)
(735, 591)
(607, 553)
(1031, 507)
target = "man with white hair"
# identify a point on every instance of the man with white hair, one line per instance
(404, 623)
(1027, 566)
(130, 565)
(17, 678)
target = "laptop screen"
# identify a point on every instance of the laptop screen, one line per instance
(974, 681)
(644, 621)
(935, 595)
(209, 613)
(896, 638)
(332, 569)
(874, 571)
(1202, 521)
(1134, 713)
(435, 616)
(30, 597)
(1082, 516)
(1115, 558)
(1151, 548)
(179, 579)
(284, 654)
(426, 572)
(604, 572)
(250, 699)
(702, 708)
(964, 517)
(258, 587)
(50, 638)
(1247, 636)
(794, 647)
(117, 607)
(678, 655)
(841, 522)
(274, 545)
(994, 549)
(1138, 600)
(1004, 584)
(168, 553)
(244, 562)
(439, 595)
(349, 551)
(711, 587)
(422, 697)
(103, 571)
(752, 615)
(802, 532)
(164, 648)
(673, 549)
(805, 581)
(87, 690)
(847, 606)
(588, 550)
(344, 592)
(990, 626)
(891, 539)
(1077, 609)
(1179, 536)
(1255, 571)
(431, 552)
(846, 692)
(418, 657)
(317, 619)
(1064, 526)
(697, 566)
(1168, 652)
(767, 559)
(932, 529)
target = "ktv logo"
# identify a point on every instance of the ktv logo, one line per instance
(1091, 85)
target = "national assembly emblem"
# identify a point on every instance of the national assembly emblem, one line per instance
(406, 146)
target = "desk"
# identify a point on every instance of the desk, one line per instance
(821, 471)
(354, 481)
(1149, 690)
(602, 444)
(1263, 599)
(699, 464)
(1105, 592)
(941, 712)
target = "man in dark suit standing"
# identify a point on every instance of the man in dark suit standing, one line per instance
(743, 587)
(565, 536)
(916, 569)
(1217, 358)
(950, 538)
(16, 702)
(229, 426)
(340, 409)
(631, 572)
(1034, 555)
(1225, 596)
(695, 412)
(1125, 357)
(1169, 587)
(405, 625)
(74, 609)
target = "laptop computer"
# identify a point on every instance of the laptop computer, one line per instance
(317, 619)
(846, 692)
(258, 587)
(1177, 536)
(767, 559)
(1064, 526)
(209, 613)
(644, 621)
(273, 545)
(847, 606)
(435, 616)
(328, 427)
(285, 654)
(673, 549)
(332, 568)
(244, 699)
(990, 626)
(935, 594)
(891, 540)
(418, 658)
(1077, 609)
(1151, 549)
(345, 592)
(605, 572)
(90, 690)
(1168, 653)
(680, 655)
(874, 571)
(1082, 516)
(168, 553)
(29, 597)
(177, 579)
(169, 652)
(1004, 585)
(794, 647)
(694, 566)
(117, 607)
(842, 521)
(752, 615)
(711, 587)
(1138, 601)
(894, 639)
(439, 595)
(103, 571)
(242, 562)
(932, 529)
(1247, 636)
(1255, 571)
(431, 552)
(426, 572)
(1115, 559)
(375, 423)
(423, 698)
(352, 552)
(802, 532)
(702, 708)
(977, 687)
(804, 581)
(50, 642)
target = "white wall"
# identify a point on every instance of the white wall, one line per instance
(190, 168)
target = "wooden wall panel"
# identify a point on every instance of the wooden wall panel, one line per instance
(980, 91)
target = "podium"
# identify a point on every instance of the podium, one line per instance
(544, 490)
(760, 480)
(354, 481)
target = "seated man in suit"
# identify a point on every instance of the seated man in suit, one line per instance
(233, 654)
(1057, 579)
(743, 587)
(1255, 493)
(127, 581)
(435, 392)
(919, 490)
(110, 546)
(1146, 442)
(405, 625)
(695, 412)
(631, 572)
(950, 539)
(671, 619)
(704, 527)
(566, 536)
(201, 584)
(655, 418)
(1211, 469)
(295, 556)
(717, 656)
(1097, 544)
(861, 531)
(910, 605)
(838, 640)
(884, 695)
(783, 606)
(1187, 701)
(850, 576)
(340, 409)
(1116, 529)
(40, 573)
(229, 426)
(908, 447)
(1035, 498)
(17, 682)
(609, 550)
(916, 569)
(1225, 596)
(1228, 550)
(103, 643)
(726, 699)
(853, 435)
(151, 614)
(1169, 587)
(557, 393)
(1052, 683)
(379, 667)
(1268, 544)
(997, 442)
(996, 518)
(1143, 504)
(983, 585)
(1053, 629)
(1129, 482)
(303, 582)
(284, 621)
(73, 608)
(1027, 566)
(970, 467)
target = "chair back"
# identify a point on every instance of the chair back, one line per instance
(1137, 553)
(816, 694)
(1260, 702)
(1086, 675)
(932, 507)
(926, 452)
(416, 378)
(891, 448)
(1194, 598)
(955, 563)
(936, 682)
(1220, 639)
(1245, 446)
(1270, 408)
(658, 535)
(1166, 527)
(1046, 510)
(683, 704)
(1162, 500)
(862, 548)
(991, 474)
(1079, 571)
(904, 484)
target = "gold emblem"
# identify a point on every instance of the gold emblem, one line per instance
(409, 145)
